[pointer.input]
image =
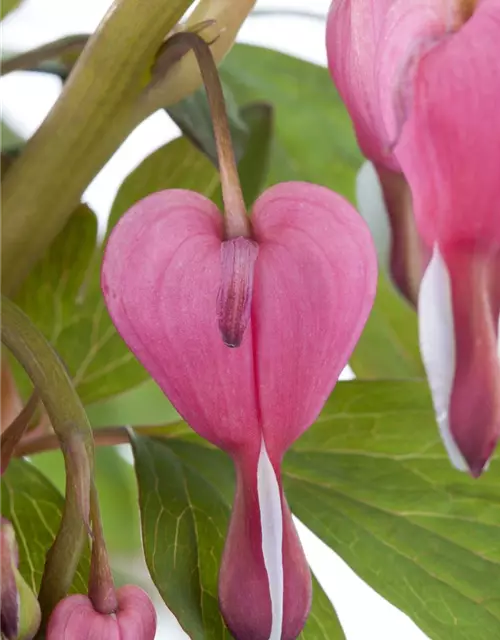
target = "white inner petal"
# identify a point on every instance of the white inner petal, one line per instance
(371, 205)
(271, 519)
(437, 346)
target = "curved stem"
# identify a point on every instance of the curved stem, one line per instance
(236, 219)
(101, 587)
(69, 420)
(14, 432)
(29, 59)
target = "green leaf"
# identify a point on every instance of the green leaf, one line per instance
(322, 623)
(50, 295)
(253, 167)
(63, 299)
(6, 6)
(192, 116)
(314, 139)
(388, 347)
(143, 405)
(184, 523)
(371, 479)
(34, 507)
(185, 493)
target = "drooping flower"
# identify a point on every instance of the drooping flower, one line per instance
(20, 611)
(293, 295)
(75, 618)
(421, 82)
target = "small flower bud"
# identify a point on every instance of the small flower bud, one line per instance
(74, 618)
(20, 614)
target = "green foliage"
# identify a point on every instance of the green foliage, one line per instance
(388, 347)
(316, 143)
(185, 495)
(192, 116)
(117, 491)
(34, 507)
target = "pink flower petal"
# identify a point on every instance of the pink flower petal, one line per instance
(264, 583)
(352, 41)
(160, 278)
(136, 615)
(315, 281)
(459, 310)
(449, 149)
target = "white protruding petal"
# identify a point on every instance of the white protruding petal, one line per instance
(271, 518)
(371, 205)
(437, 346)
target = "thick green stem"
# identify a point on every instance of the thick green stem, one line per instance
(74, 435)
(92, 117)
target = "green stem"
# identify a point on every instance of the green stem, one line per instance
(28, 59)
(235, 219)
(92, 117)
(15, 431)
(74, 435)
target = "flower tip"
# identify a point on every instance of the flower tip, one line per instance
(234, 300)
(75, 617)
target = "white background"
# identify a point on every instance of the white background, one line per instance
(26, 98)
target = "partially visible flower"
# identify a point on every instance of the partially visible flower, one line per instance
(75, 618)
(294, 292)
(20, 611)
(421, 82)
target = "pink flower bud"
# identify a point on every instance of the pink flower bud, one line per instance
(296, 297)
(421, 82)
(74, 618)
(20, 611)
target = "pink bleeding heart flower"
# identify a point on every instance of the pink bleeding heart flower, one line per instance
(75, 618)
(294, 295)
(425, 103)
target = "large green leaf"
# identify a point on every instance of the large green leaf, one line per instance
(143, 405)
(34, 507)
(371, 478)
(62, 298)
(314, 139)
(185, 492)
(192, 116)
(254, 164)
